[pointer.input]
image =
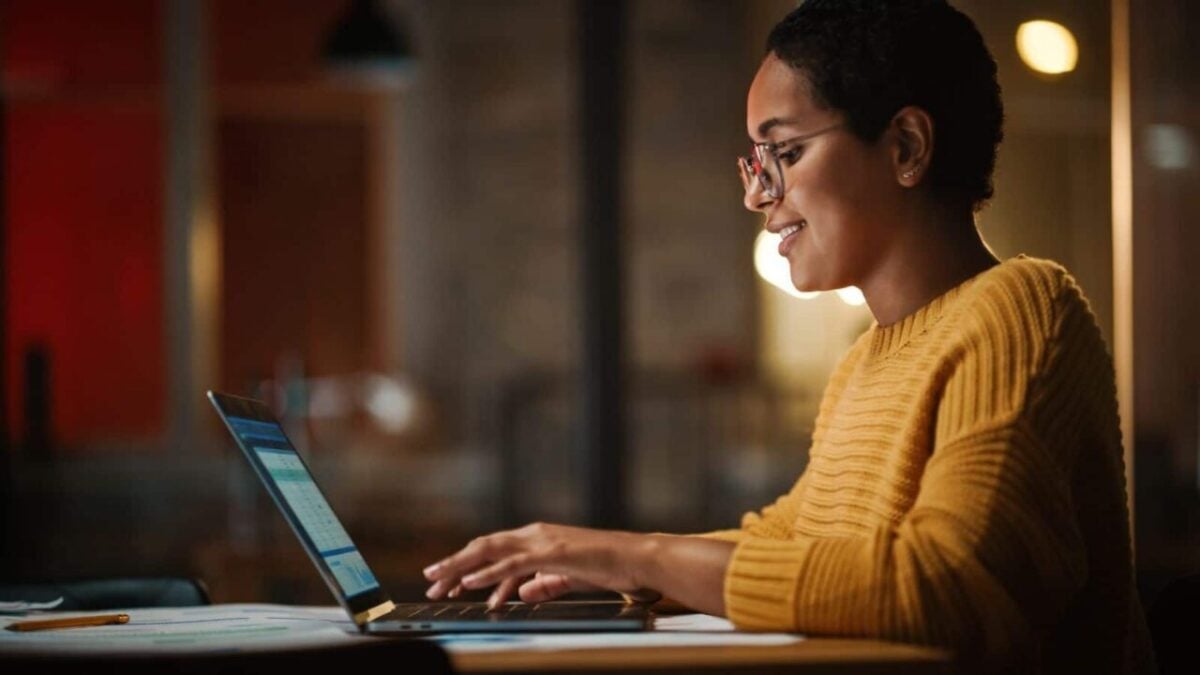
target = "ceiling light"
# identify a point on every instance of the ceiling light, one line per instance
(1047, 47)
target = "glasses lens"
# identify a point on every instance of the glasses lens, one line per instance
(746, 172)
(767, 166)
(762, 166)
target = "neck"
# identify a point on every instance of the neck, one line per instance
(924, 263)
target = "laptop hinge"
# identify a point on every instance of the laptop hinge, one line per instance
(375, 612)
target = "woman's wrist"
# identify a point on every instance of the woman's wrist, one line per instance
(690, 570)
(645, 552)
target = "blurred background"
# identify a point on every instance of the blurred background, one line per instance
(487, 260)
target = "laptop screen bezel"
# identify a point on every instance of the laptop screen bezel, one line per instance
(227, 406)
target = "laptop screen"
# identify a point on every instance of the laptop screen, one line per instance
(302, 501)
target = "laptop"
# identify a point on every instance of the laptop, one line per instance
(345, 571)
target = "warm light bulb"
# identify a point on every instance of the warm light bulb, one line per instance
(851, 296)
(774, 268)
(1047, 47)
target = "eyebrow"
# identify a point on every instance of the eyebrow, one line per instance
(771, 124)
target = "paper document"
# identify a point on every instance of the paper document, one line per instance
(694, 623)
(685, 630)
(241, 628)
(191, 630)
(9, 607)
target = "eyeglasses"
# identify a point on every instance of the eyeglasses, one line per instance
(763, 163)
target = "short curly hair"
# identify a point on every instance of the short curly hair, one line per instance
(870, 58)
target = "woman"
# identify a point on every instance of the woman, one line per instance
(966, 485)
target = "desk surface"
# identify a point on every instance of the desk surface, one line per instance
(264, 631)
(810, 656)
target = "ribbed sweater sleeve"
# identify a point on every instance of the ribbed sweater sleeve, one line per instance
(988, 554)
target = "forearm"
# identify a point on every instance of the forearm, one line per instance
(690, 570)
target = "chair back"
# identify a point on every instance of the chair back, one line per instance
(112, 593)
(1174, 620)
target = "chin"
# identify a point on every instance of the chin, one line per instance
(814, 283)
(805, 285)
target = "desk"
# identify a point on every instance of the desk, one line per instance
(809, 657)
(227, 637)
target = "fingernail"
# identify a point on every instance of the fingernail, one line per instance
(469, 579)
(429, 593)
(493, 601)
(432, 569)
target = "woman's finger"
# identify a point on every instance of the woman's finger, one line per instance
(480, 552)
(521, 564)
(503, 592)
(545, 587)
(469, 557)
(439, 588)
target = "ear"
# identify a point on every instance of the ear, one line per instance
(912, 151)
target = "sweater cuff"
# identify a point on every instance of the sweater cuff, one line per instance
(724, 535)
(761, 583)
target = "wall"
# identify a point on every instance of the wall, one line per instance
(83, 198)
(1166, 174)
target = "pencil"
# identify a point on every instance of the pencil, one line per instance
(71, 622)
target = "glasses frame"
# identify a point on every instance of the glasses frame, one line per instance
(753, 167)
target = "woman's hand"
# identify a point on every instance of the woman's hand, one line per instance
(541, 562)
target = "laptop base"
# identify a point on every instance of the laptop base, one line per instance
(474, 617)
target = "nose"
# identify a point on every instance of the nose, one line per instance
(756, 198)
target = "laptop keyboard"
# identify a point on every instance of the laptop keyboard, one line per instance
(460, 612)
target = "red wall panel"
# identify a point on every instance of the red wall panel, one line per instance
(83, 197)
(82, 44)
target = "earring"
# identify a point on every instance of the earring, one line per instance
(909, 174)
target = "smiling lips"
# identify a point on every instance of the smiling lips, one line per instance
(786, 234)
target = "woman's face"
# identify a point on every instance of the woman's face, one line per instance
(837, 188)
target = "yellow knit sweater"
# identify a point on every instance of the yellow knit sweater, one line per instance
(965, 488)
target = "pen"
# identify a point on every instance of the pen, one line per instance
(72, 622)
